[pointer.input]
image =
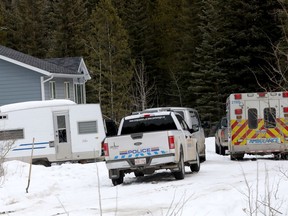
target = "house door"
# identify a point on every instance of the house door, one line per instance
(62, 135)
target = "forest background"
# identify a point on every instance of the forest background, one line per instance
(148, 53)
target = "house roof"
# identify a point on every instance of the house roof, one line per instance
(48, 67)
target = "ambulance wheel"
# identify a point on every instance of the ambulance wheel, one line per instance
(284, 156)
(181, 173)
(237, 156)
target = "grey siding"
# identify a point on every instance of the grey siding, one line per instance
(18, 84)
(60, 88)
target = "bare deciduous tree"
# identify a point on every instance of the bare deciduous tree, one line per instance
(143, 91)
(5, 147)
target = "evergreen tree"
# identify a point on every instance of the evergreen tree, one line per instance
(138, 20)
(110, 61)
(26, 30)
(3, 28)
(237, 38)
(69, 17)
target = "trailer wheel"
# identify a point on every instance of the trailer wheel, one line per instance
(45, 163)
(181, 173)
(196, 167)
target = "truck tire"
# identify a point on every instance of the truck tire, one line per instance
(119, 180)
(179, 175)
(196, 167)
(222, 150)
(216, 148)
(138, 173)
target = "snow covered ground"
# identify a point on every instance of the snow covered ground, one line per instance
(222, 187)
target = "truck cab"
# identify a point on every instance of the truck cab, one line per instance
(193, 121)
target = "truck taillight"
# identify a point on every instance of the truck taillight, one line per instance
(105, 149)
(285, 94)
(261, 94)
(237, 96)
(171, 141)
(285, 109)
(222, 134)
(238, 111)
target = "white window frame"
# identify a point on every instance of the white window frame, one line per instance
(52, 89)
(79, 93)
(67, 90)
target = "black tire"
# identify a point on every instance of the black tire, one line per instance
(45, 163)
(196, 167)
(222, 150)
(216, 148)
(138, 173)
(237, 156)
(202, 159)
(179, 175)
(118, 181)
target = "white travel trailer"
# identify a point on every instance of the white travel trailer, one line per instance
(56, 130)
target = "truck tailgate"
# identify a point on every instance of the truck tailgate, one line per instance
(138, 145)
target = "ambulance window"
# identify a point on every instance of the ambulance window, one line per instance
(270, 117)
(252, 118)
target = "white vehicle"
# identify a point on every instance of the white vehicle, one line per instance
(221, 137)
(192, 118)
(150, 141)
(61, 130)
(257, 124)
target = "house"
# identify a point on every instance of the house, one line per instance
(26, 78)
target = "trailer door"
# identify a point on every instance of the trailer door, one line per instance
(62, 135)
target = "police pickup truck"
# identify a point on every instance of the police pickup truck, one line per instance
(151, 141)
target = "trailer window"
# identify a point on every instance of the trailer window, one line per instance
(252, 118)
(12, 134)
(270, 117)
(87, 127)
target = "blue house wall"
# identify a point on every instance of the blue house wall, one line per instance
(18, 84)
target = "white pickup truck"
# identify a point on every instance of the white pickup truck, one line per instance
(151, 141)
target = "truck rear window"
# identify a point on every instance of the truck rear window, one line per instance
(148, 124)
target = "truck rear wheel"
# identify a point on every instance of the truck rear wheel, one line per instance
(181, 173)
(196, 167)
(216, 148)
(117, 181)
(138, 173)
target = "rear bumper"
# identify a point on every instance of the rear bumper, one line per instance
(259, 148)
(151, 162)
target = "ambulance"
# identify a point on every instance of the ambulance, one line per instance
(257, 124)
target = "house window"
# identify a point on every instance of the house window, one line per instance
(52, 90)
(79, 93)
(67, 90)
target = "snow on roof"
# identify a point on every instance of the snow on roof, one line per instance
(34, 104)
